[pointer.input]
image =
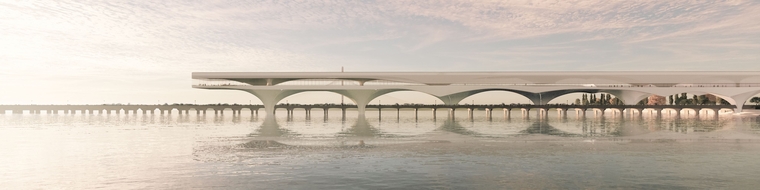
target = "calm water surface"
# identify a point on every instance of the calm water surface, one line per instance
(250, 152)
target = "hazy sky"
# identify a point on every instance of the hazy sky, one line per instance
(144, 51)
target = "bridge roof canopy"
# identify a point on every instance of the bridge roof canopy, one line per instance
(527, 77)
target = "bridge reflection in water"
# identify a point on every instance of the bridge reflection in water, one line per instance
(551, 125)
(405, 124)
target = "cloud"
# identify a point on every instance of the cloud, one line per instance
(122, 41)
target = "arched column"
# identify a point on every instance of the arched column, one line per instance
(739, 99)
(362, 97)
(629, 97)
(540, 98)
(270, 97)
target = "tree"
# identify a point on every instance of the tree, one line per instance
(670, 99)
(609, 99)
(702, 100)
(585, 100)
(643, 102)
(577, 101)
(755, 100)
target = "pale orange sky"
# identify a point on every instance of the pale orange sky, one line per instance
(93, 52)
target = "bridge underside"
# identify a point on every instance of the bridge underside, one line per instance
(450, 95)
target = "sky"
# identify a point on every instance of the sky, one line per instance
(143, 52)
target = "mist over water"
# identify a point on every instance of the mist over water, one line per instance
(388, 150)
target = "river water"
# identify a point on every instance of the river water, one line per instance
(395, 151)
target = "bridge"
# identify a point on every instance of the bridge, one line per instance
(735, 87)
(562, 109)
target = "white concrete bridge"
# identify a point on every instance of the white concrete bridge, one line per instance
(736, 87)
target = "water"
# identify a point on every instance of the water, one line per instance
(246, 152)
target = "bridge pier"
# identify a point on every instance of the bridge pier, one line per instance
(415, 113)
(507, 113)
(489, 113)
(434, 110)
(562, 112)
(470, 113)
(544, 112)
(398, 113)
(452, 112)
(343, 114)
(525, 112)
(325, 111)
(658, 112)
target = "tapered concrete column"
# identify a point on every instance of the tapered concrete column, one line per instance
(658, 112)
(270, 98)
(507, 113)
(362, 97)
(434, 114)
(629, 97)
(398, 113)
(470, 112)
(739, 99)
(452, 112)
(415, 113)
(488, 113)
